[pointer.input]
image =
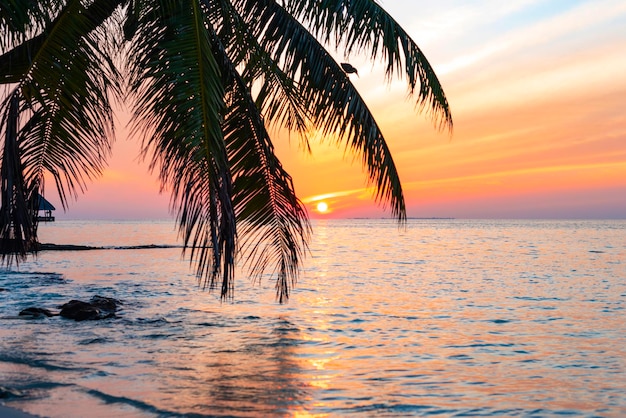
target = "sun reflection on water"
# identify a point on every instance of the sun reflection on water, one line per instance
(445, 317)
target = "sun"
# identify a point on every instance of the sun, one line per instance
(322, 207)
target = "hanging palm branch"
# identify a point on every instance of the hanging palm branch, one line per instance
(204, 79)
(272, 218)
(58, 82)
(17, 221)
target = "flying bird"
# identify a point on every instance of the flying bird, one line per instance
(349, 69)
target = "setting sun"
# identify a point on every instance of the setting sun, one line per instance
(322, 207)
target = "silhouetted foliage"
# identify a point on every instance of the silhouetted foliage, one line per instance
(204, 79)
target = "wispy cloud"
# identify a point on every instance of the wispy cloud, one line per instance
(563, 26)
(492, 177)
(438, 22)
(362, 192)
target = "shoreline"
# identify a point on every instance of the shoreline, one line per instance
(10, 412)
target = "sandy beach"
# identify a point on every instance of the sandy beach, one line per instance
(7, 412)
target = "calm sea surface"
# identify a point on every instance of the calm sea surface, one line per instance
(444, 318)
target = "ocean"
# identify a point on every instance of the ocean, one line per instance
(442, 317)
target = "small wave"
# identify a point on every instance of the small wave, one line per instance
(396, 409)
(37, 363)
(39, 277)
(28, 390)
(540, 298)
(142, 406)
(499, 321)
(460, 357)
(31, 273)
(479, 345)
(155, 321)
(213, 324)
(90, 341)
(9, 392)
(384, 409)
(157, 336)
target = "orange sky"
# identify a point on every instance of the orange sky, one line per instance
(538, 95)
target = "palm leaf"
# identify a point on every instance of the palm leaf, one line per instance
(272, 221)
(364, 26)
(192, 66)
(278, 95)
(336, 106)
(66, 90)
(71, 19)
(21, 18)
(60, 84)
(178, 106)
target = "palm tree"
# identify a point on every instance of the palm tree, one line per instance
(205, 80)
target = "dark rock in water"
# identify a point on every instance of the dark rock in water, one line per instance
(35, 312)
(80, 311)
(98, 308)
(104, 303)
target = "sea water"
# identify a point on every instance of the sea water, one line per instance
(440, 317)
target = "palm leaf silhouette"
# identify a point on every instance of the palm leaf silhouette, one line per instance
(205, 80)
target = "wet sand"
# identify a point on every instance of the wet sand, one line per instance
(7, 412)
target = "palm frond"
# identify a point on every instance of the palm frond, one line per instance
(20, 19)
(272, 222)
(66, 91)
(336, 106)
(277, 95)
(363, 26)
(60, 88)
(72, 20)
(179, 103)
(207, 79)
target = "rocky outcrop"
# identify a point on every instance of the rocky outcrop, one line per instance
(80, 311)
(35, 313)
(98, 307)
(104, 303)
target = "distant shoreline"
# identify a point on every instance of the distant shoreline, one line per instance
(71, 247)
(433, 218)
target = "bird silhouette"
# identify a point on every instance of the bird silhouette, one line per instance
(349, 69)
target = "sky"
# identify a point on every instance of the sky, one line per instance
(537, 91)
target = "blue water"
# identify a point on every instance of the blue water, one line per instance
(443, 318)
